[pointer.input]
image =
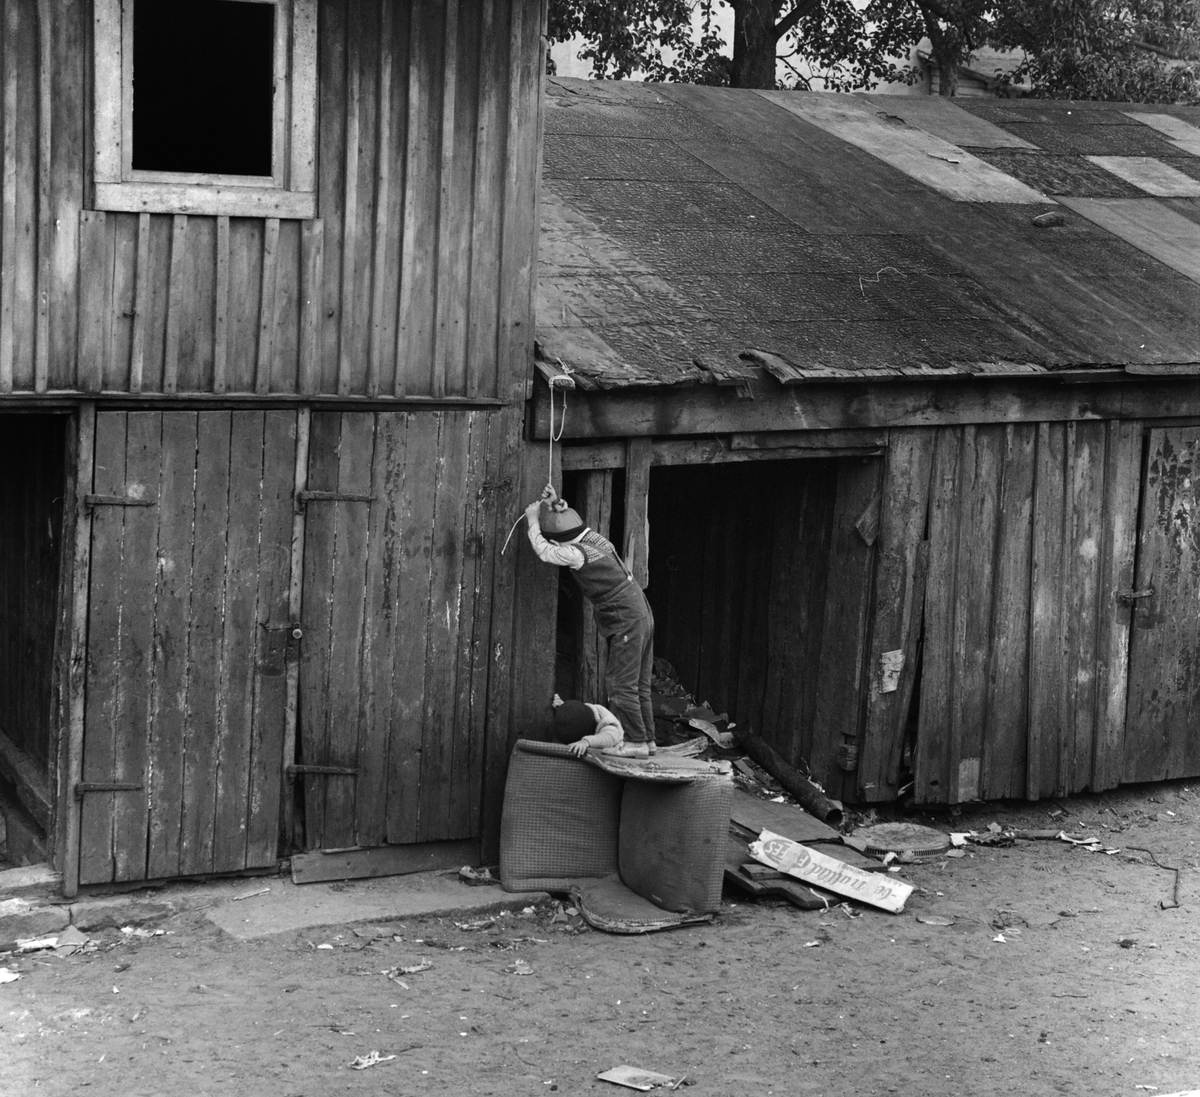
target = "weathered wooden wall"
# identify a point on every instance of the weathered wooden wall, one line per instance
(32, 449)
(415, 280)
(397, 611)
(1012, 543)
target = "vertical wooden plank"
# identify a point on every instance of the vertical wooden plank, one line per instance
(291, 713)
(486, 208)
(139, 559)
(266, 308)
(1084, 510)
(348, 592)
(246, 239)
(1122, 478)
(488, 521)
(760, 579)
(1164, 698)
(445, 622)
(77, 658)
(240, 630)
(121, 304)
(841, 685)
(106, 62)
(463, 793)
(381, 626)
(350, 206)
(304, 97)
(177, 298)
(637, 516)
(312, 260)
(1047, 657)
(141, 304)
(500, 727)
(45, 211)
(933, 780)
(317, 602)
(8, 195)
(1006, 714)
(413, 556)
(331, 83)
(380, 328)
(897, 610)
(221, 308)
(414, 330)
(444, 305)
(201, 738)
(978, 497)
(72, 58)
(596, 498)
(95, 281)
(103, 712)
(174, 599)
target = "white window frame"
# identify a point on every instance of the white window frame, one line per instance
(289, 193)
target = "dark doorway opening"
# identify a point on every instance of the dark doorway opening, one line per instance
(203, 86)
(739, 557)
(33, 456)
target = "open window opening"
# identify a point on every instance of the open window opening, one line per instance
(32, 449)
(203, 87)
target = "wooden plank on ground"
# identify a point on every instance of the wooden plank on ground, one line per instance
(787, 819)
(371, 862)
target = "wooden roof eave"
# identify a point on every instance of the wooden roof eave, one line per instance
(878, 400)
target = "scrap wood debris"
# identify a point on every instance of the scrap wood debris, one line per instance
(371, 1059)
(636, 1078)
(7, 975)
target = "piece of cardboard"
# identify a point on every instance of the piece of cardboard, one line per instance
(815, 868)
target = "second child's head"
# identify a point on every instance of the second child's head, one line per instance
(572, 721)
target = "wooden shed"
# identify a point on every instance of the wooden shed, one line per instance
(266, 278)
(894, 404)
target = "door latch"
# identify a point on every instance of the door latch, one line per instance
(1129, 597)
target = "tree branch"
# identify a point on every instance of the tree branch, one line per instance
(793, 17)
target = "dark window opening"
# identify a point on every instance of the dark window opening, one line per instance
(203, 86)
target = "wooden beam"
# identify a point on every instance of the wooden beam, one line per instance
(29, 781)
(710, 451)
(77, 656)
(362, 864)
(708, 410)
(637, 502)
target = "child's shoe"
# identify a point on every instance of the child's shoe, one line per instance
(652, 748)
(628, 750)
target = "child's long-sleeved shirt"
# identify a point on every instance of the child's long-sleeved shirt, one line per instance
(608, 733)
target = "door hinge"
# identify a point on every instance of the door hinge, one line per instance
(326, 771)
(1128, 597)
(82, 787)
(90, 501)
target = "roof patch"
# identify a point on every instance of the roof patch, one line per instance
(1150, 175)
(919, 155)
(1183, 136)
(1149, 226)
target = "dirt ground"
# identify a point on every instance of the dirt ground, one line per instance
(1061, 974)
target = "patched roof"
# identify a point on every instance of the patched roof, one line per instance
(692, 235)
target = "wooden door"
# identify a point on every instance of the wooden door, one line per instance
(396, 596)
(1161, 740)
(186, 685)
